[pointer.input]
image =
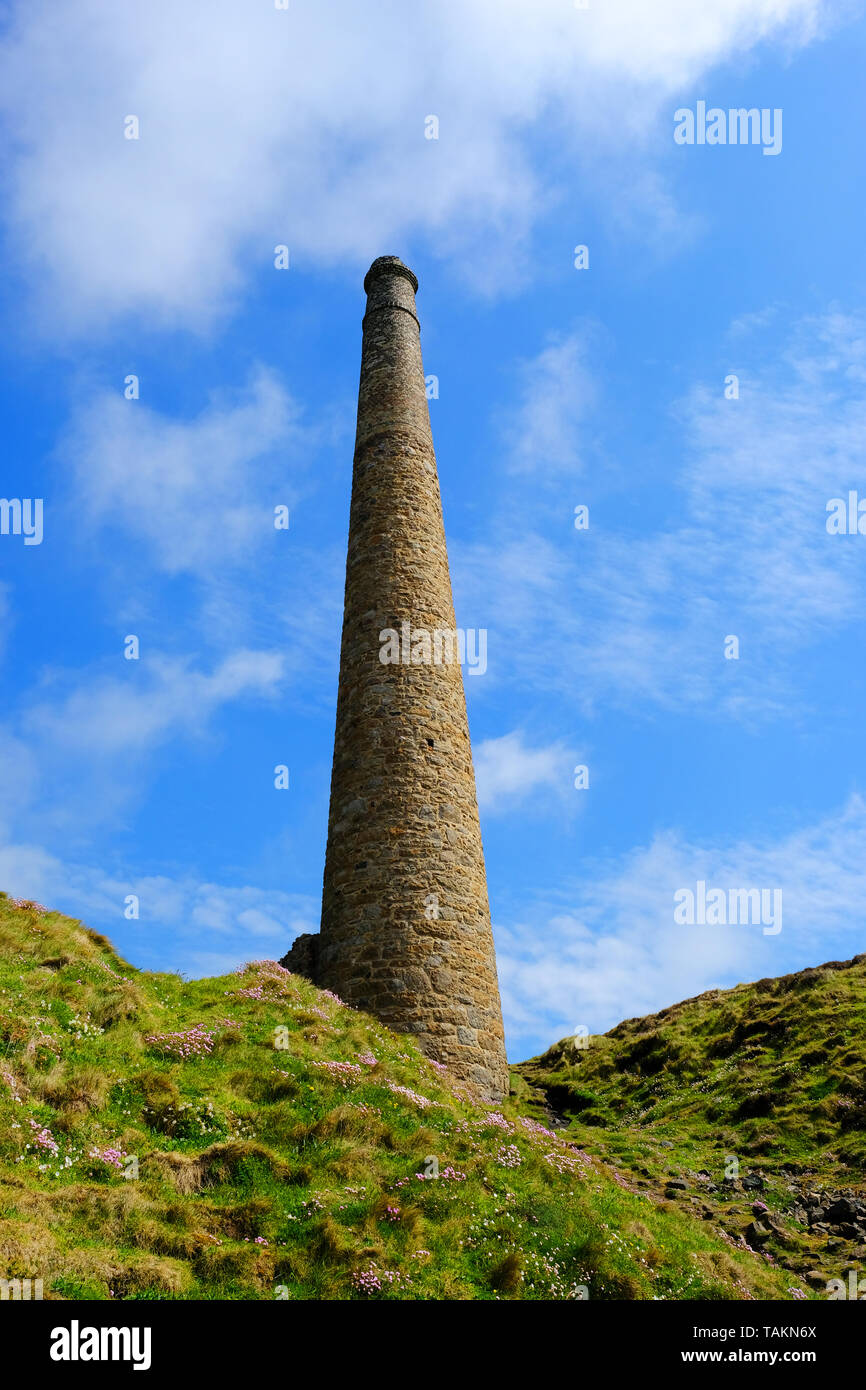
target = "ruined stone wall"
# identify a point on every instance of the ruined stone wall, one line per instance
(405, 928)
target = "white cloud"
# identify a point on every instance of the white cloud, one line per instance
(154, 495)
(556, 390)
(609, 949)
(107, 717)
(305, 126)
(740, 547)
(507, 771)
(19, 783)
(84, 749)
(199, 493)
(176, 915)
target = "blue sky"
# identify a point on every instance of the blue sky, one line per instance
(557, 387)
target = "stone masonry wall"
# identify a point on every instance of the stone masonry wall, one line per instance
(405, 928)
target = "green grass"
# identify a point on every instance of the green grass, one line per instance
(771, 1074)
(253, 1171)
(774, 1071)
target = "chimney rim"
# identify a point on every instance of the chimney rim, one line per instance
(389, 265)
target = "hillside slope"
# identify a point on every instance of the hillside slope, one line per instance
(250, 1137)
(771, 1075)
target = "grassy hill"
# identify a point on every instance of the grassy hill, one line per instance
(251, 1137)
(772, 1074)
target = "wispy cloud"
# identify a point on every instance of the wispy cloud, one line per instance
(176, 915)
(108, 716)
(200, 492)
(740, 549)
(83, 752)
(556, 389)
(608, 948)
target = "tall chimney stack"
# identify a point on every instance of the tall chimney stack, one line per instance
(405, 931)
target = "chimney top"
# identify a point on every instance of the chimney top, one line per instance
(389, 265)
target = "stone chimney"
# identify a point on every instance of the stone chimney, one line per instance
(405, 931)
